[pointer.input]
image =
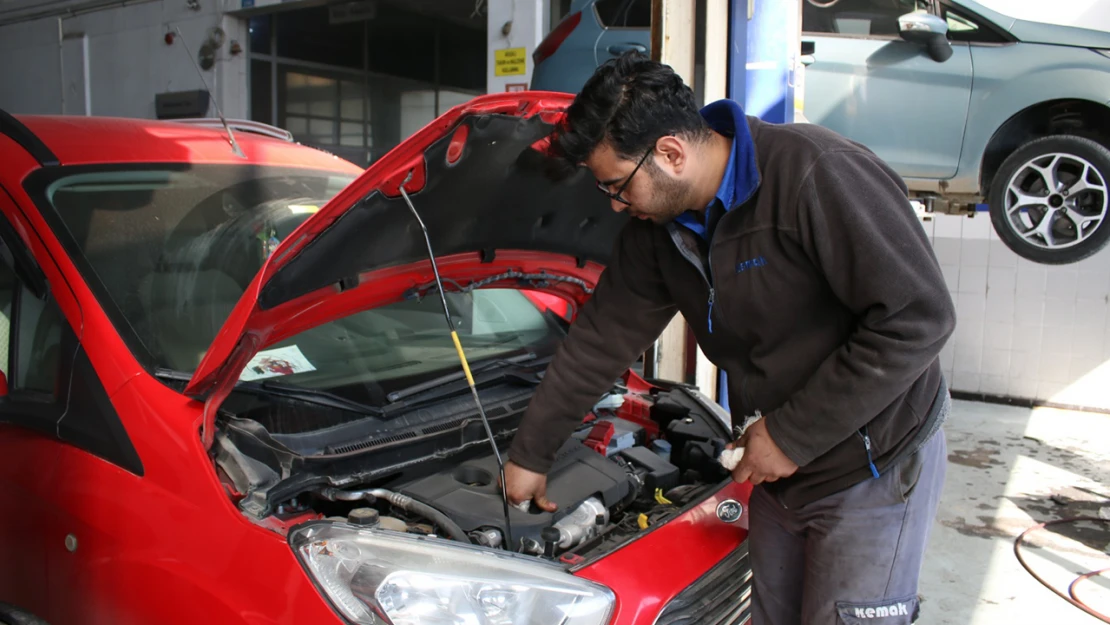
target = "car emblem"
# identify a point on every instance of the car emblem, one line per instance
(730, 510)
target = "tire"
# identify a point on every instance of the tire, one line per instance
(11, 615)
(1065, 225)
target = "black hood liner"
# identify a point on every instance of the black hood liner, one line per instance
(496, 196)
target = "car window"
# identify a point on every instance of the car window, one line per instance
(858, 18)
(30, 336)
(168, 250)
(171, 252)
(624, 13)
(963, 27)
(958, 24)
(7, 296)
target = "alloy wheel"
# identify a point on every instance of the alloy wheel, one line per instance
(1056, 200)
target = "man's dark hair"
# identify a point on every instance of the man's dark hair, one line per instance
(630, 101)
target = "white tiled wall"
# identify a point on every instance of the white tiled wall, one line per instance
(1024, 330)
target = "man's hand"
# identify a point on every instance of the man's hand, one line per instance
(524, 485)
(763, 461)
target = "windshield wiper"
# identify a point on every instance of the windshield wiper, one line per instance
(277, 389)
(416, 389)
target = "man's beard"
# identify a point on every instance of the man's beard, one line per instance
(670, 198)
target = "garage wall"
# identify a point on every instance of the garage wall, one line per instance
(116, 60)
(1024, 330)
(1083, 13)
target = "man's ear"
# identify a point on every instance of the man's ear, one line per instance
(671, 154)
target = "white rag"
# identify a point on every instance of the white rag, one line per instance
(729, 458)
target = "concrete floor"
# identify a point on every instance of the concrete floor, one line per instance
(1010, 468)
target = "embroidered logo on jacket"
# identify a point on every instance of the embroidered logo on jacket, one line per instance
(751, 264)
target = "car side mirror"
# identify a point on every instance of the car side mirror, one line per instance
(808, 48)
(929, 31)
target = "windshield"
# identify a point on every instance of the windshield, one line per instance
(365, 356)
(170, 251)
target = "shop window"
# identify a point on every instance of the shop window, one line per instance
(462, 58)
(403, 44)
(309, 35)
(261, 92)
(260, 29)
(417, 109)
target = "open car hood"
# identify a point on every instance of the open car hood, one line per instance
(476, 176)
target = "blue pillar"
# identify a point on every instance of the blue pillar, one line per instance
(762, 51)
(761, 70)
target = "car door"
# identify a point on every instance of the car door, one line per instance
(31, 403)
(626, 26)
(871, 86)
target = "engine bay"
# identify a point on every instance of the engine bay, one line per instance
(638, 458)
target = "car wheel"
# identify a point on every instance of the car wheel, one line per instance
(1049, 199)
(11, 615)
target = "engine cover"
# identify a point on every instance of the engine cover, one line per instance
(469, 494)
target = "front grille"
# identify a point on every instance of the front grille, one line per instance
(723, 596)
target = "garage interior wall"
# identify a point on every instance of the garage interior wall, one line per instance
(1024, 330)
(116, 60)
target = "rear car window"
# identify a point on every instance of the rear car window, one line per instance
(624, 13)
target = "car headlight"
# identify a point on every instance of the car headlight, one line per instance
(412, 580)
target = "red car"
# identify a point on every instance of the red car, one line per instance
(229, 395)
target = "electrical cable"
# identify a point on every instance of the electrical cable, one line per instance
(1072, 599)
(465, 365)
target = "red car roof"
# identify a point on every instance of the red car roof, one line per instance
(90, 140)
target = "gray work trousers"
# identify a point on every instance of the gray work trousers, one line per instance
(852, 558)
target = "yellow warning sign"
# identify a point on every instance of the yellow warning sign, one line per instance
(509, 62)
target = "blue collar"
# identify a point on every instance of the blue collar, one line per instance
(741, 177)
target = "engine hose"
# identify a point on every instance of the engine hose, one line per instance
(408, 504)
(1072, 599)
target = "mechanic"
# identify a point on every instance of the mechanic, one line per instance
(798, 262)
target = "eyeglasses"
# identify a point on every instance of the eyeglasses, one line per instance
(617, 196)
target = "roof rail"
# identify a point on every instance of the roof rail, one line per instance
(242, 125)
(13, 128)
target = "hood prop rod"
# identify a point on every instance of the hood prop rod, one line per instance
(465, 364)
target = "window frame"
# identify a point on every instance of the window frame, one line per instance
(932, 10)
(33, 408)
(78, 411)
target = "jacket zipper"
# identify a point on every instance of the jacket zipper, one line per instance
(686, 253)
(867, 446)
